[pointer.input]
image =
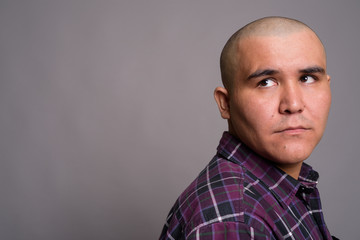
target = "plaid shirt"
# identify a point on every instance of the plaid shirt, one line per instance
(240, 195)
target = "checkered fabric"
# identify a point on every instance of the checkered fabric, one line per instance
(240, 195)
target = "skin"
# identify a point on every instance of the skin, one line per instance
(280, 96)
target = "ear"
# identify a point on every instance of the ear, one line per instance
(328, 78)
(222, 99)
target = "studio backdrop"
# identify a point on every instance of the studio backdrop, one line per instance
(107, 110)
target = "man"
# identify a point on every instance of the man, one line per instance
(276, 99)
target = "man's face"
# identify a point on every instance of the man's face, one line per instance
(281, 96)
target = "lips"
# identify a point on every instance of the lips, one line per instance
(293, 130)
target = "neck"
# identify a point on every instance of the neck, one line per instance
(292, 170)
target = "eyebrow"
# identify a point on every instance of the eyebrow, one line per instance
(314, 69)
(260, 73)
(268, 72)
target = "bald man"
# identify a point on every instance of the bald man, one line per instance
(276, 99)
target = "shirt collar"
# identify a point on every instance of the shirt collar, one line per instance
(283, 186)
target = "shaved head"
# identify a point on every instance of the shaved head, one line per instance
(277, 92)
(268, 26)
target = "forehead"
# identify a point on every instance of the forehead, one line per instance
(288, 52)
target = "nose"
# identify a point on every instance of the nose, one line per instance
(291, 100)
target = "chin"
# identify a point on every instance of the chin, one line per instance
(290, 153)
(291, 157)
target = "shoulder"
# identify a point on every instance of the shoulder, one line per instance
(230, 230)
(215, 197)
(218, 185)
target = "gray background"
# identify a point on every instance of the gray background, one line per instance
(107, 111)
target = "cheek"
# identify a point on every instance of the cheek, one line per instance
(257, 114)
(320, 107)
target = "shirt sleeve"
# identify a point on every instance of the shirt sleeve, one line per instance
(229, 230)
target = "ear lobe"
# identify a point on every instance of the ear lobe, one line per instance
(221, 96)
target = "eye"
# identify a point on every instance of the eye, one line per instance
(307, 79)
(267, 83)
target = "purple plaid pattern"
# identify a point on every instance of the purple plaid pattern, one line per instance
(240, 195)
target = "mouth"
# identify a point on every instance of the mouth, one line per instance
(293, 130)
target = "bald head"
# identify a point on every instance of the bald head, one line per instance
(268, 26)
